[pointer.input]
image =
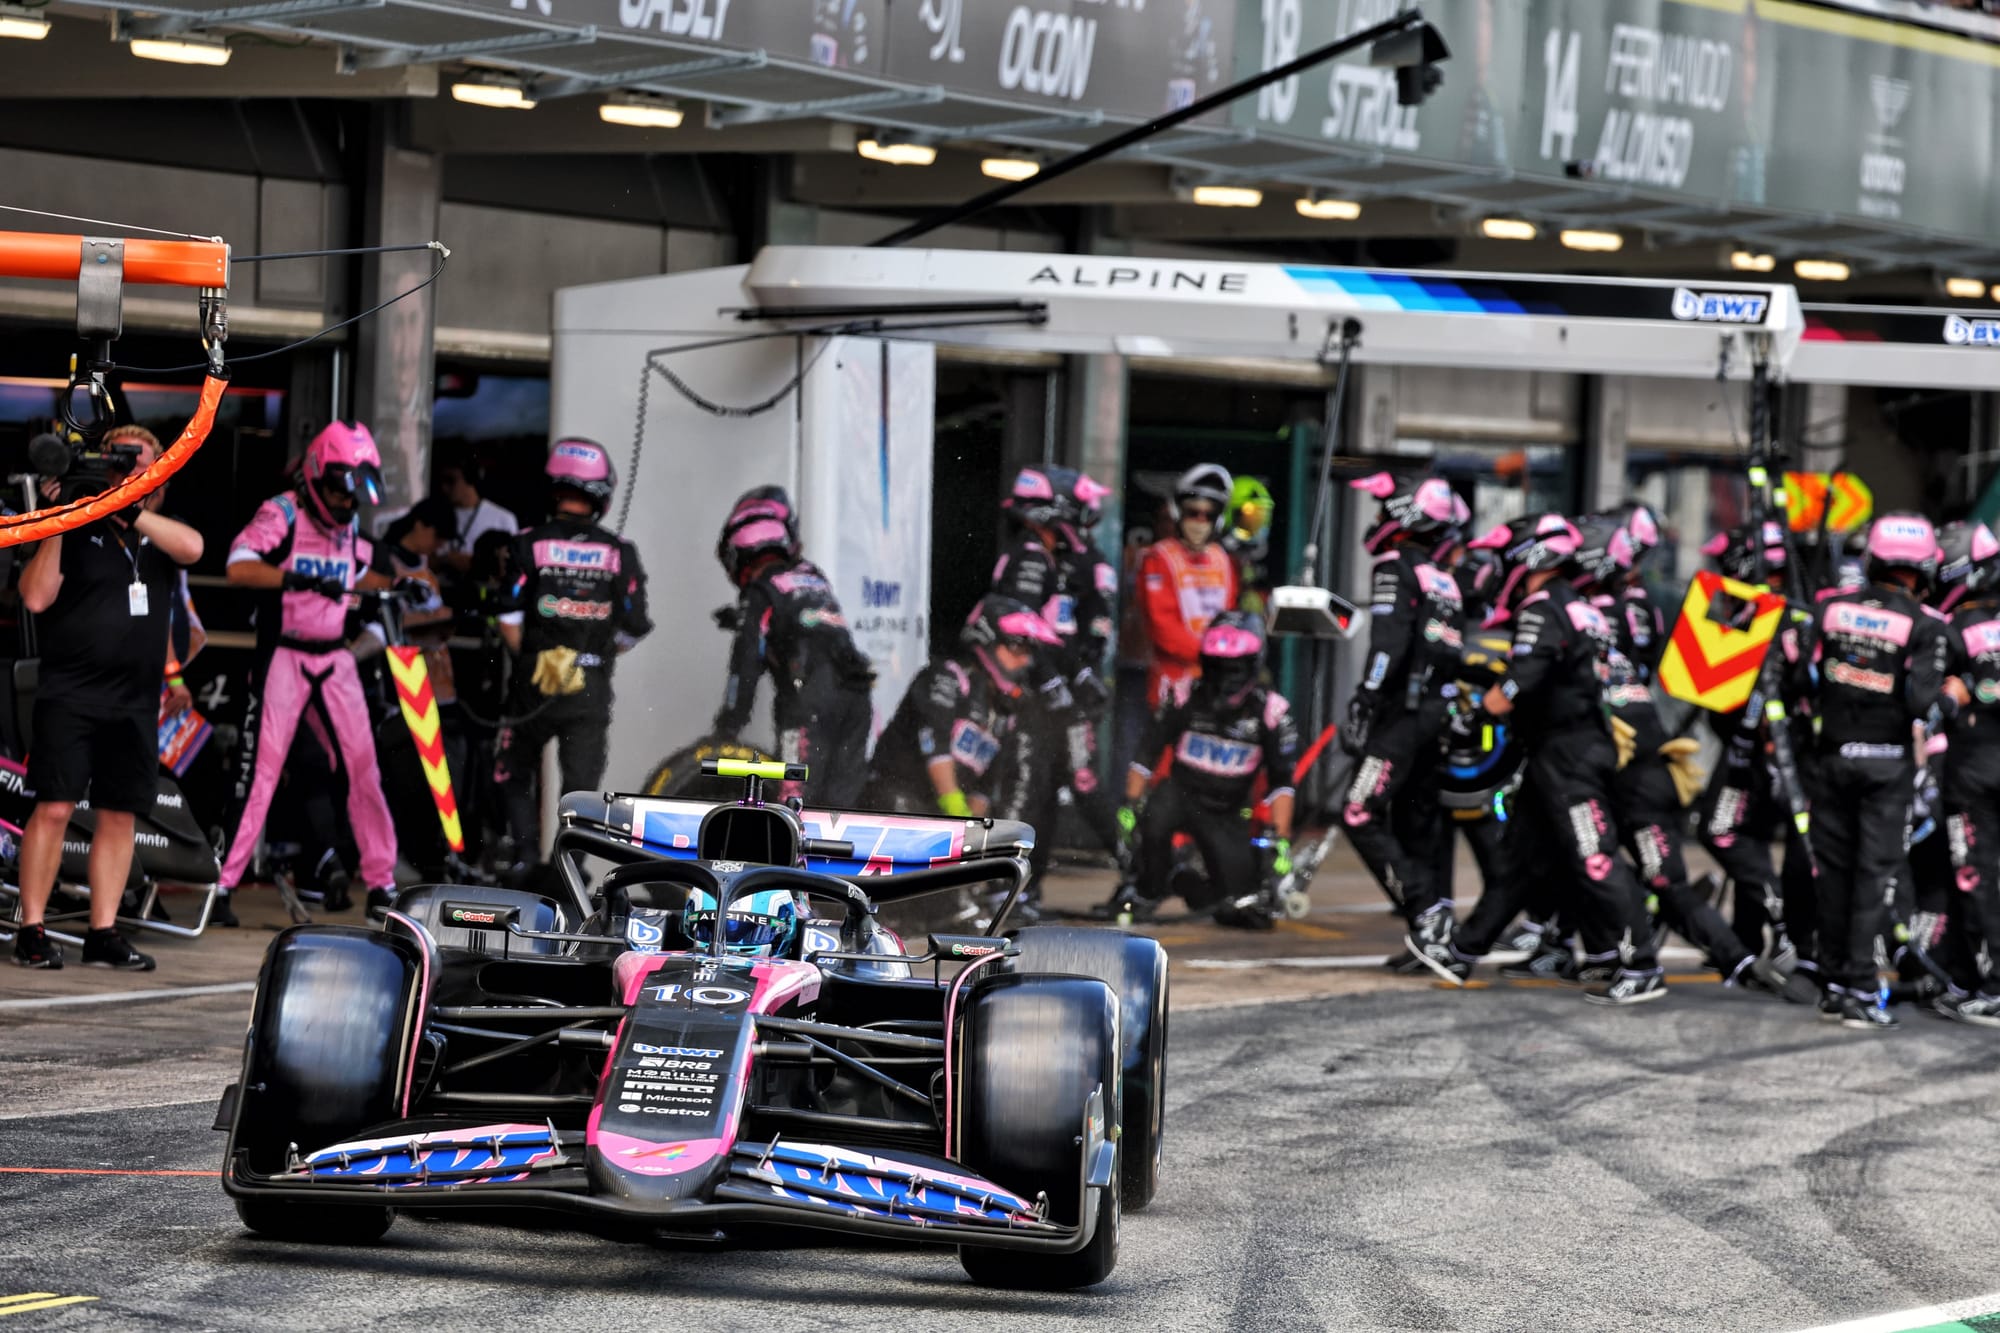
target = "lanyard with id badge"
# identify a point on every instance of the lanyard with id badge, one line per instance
(136, 603)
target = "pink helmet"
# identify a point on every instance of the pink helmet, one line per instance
(1903, 541)
(1232, 653)
(342, 460)
(762, 519)
(583, 465)
(1422, 508)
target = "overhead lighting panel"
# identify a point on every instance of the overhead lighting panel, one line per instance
(1226, 196)
(641, 111)
(25, 24)
(1965, 289)
(186, 50)
(897, 154)
(1820, 270)
(1327, 210)
(1749, 261)
(1601, 242)
(504, 94)
(1009, 168)
(1507, 229)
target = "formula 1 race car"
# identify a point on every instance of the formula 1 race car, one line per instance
(688, 1043)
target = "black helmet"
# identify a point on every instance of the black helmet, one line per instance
(762, 520)
(1968, 561)
(1749, 553)
(1479, 572)
(1420, 506)
(1596, 558)
(1043, 494)
(1232, 653)
(997, 621)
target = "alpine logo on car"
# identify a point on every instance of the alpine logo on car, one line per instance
(1720, 307)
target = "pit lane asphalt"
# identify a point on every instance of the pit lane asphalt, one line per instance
(1401, 1158)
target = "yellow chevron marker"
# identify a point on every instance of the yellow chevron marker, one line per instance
(37, 1300)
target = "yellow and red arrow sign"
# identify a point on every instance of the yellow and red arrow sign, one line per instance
(420, 714)
(1853, 504)
(1711, 664)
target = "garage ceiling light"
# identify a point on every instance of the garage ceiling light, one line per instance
(187, 50)
(1749, 261)
(1009, 168)
(1226, 196)
(23, 23)
(1603, 242)
(1507, 229)
(1820, 270)
(1328, 210)
(641, 111)
(504, 94)
(897, 154)
(1965, 289)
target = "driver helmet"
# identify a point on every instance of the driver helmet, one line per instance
(1422, 507)
(1041, 495)
(583, 466)
(759, 925)
(1204, 483)
(762, 520)
(998, 621)
(1903, 541)
(342, 461)
(1232, 654)
(1250, 510)
(1968, 561)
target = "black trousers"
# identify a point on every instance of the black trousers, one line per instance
(1222, 837)
(1402, 749)
(831, 740)
(1860, 830)
(1649, 815)
(1576, 843)
(1502, 894)
(580, 726)
(1972, 831)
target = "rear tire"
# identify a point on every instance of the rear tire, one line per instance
(679, 774)
(1031, 1051)
(1135, 967)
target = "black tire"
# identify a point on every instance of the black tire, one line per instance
(1031, 1050)
(315, 1223)
(328, 1049)
(679, 774)
(1136, 968)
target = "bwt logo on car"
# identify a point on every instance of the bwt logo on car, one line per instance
(880, 592)
(1720, 307)
(1961, 332)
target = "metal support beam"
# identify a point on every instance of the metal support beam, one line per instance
(1194, 140)
(1777, 227)
(532, 39)
(1562, 199)
(569, 86)
(840, 107)
(170, 22)
(1001, 129)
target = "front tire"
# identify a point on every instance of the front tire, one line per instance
(315, 1223)
(1032, 1049)
(1136, 968)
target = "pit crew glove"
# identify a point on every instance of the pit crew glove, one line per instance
(727, 618)
(1689, 777)
(295, 581)
(954, 804)
(1625, 737)
(1128, 823)
(1281, 857)
(412, 589)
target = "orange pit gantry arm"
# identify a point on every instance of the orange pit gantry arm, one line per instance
(36, 254)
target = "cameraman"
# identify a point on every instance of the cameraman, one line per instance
(103, 594)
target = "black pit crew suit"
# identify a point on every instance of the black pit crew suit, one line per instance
(953, 709)
(1219, 748)
(580, 599)
(1971, 791)
(1878, 662)
(788, 623)
(1556, 685)
(1413, 647)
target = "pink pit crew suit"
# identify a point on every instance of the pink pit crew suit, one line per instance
(312, 651)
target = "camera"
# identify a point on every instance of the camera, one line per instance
(84, 467)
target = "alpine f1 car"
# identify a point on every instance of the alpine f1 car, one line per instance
(715, 1032)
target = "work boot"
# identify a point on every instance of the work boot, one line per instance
(1979, 1010)
(1865, 1013)
(107, 948)
(379, 903)
(331, 877)
(224, 912)
(1551, 961)
(1429, 941)
(1627, 987)
(34, 948)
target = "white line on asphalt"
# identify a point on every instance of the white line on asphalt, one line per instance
(121, 997)
(1675, 954)
(1922, 1317)
(102, 1110)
